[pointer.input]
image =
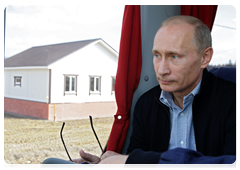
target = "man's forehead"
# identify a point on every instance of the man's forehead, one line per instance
(178, 33)
(176, 29)
(174, 38)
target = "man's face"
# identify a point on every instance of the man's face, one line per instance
(176, 62)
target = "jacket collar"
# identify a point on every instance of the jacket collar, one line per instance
(200, 98)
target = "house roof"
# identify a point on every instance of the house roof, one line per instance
(47, 54)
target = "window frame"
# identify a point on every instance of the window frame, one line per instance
(94, 85)
(113, 86)
(15, 81)
(70, 92)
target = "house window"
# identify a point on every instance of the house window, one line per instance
(70, 84)
(95, 85)
(17, 81)
(113, 85)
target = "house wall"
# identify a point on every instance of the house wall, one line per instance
(30, 98)
(34, 84)
(27, 108)
(91, 60)
(69, 111)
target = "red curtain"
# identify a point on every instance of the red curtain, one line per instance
(128, 75)
(206, 13)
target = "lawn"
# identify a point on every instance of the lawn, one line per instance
(30, 141)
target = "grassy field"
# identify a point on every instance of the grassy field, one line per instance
(30, 141)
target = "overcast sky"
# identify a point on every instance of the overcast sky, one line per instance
(28, 26)
(224, 35)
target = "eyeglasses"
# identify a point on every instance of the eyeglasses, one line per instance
(90, 117)
(64, 143)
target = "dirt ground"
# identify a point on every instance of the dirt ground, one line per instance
(30, 141)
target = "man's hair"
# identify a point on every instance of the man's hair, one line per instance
(202, 34)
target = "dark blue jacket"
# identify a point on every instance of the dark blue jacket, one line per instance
(214, 119)
(177, 156)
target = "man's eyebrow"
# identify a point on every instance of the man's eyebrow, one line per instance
(155, 51)
(167, 52)
(172, 52)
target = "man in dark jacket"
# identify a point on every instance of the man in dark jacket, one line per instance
(197, 109)
(213, 119)
(191, 109)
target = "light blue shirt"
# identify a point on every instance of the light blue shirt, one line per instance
(182, 131)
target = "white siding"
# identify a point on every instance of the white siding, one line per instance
(91, 60)
(34, 84)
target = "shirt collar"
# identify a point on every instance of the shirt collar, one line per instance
(197, 88)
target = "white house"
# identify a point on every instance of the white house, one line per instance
(62, 81)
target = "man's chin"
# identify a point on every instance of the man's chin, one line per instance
(167, 88)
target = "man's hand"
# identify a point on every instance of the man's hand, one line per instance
(86, 157)
(108, 157)
(115, 159)
(108, 154)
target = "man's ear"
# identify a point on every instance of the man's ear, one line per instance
(206, 57)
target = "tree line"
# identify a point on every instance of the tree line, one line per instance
(230, 64)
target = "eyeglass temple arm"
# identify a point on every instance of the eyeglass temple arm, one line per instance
(95, 133)
(64, 143)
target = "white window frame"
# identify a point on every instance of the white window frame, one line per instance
(113, 84)
(70, 91)
(95, 90)
(16, 83)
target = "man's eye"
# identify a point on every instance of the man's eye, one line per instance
(174, 56)
(157, 55)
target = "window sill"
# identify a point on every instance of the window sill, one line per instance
(70, 93)
(95, 93)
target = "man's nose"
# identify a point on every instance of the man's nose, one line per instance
(164, 68)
